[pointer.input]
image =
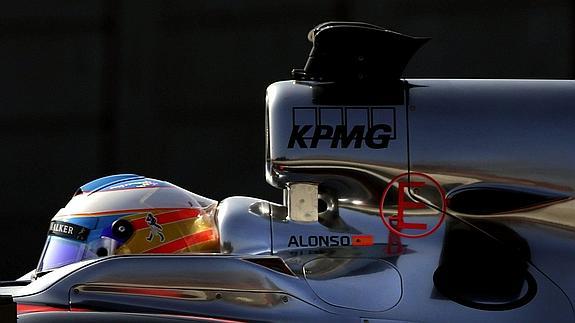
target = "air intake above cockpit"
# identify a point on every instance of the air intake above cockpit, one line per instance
(352, 52)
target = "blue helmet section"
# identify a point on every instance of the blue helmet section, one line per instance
(104, 182)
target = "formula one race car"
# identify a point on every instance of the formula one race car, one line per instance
(405, 200)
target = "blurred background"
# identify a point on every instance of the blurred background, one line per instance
(175, 90)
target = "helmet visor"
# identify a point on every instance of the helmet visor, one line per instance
(60, 251)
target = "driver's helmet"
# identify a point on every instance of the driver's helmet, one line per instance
(127, 214)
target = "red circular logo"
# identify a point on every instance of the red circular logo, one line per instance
(424, 193)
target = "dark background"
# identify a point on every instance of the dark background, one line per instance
(175, 89)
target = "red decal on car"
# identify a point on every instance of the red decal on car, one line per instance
(431, 201)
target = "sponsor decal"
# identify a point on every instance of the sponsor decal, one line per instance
(68, 230)
(342, 127)
(421, 187)
(136, 184)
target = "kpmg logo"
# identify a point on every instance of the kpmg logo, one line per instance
(342, 127)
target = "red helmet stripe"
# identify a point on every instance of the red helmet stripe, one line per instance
(184, 242)
(168, 217)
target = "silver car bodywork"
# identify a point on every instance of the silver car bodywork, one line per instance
(489, 234)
